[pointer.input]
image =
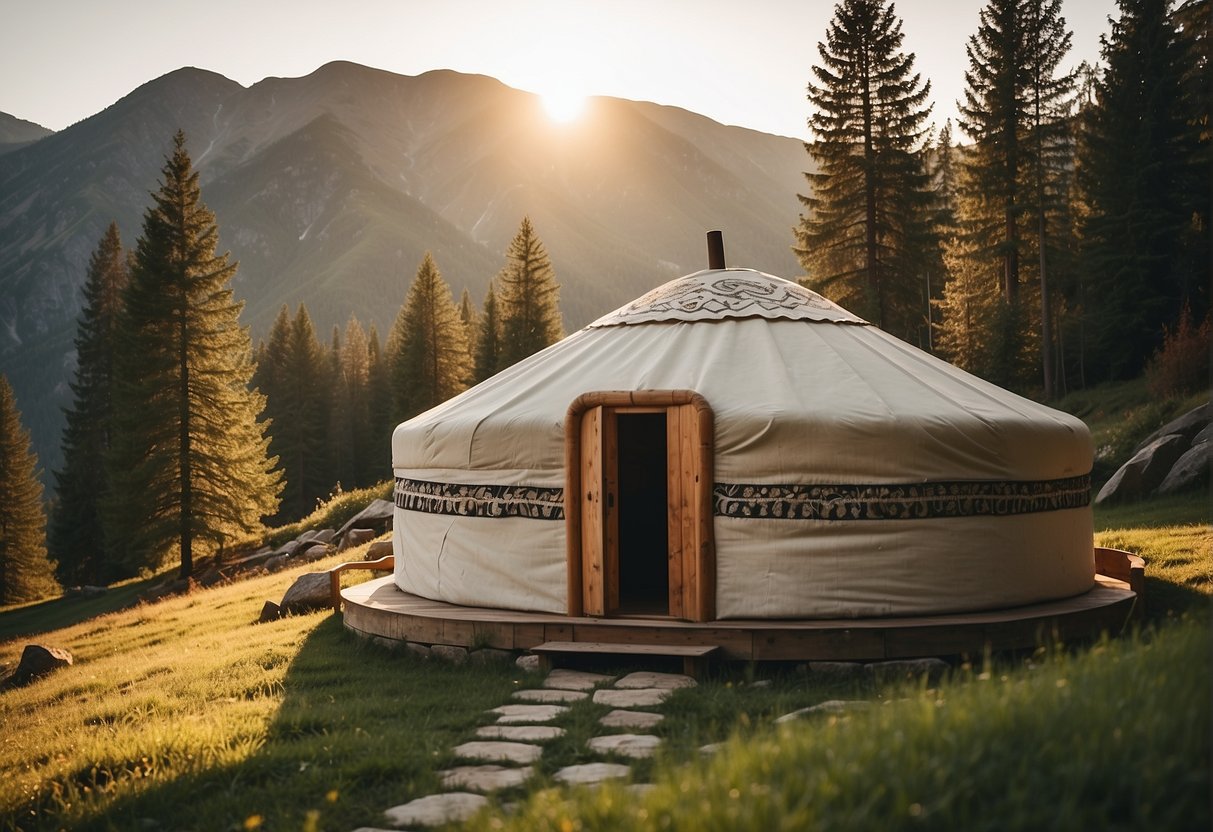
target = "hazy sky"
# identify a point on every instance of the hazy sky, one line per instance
(740, 62)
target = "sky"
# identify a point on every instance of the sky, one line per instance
(742, 62)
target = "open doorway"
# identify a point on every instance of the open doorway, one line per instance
(643, 494)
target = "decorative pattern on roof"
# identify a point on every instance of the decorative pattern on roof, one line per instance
(728, 293)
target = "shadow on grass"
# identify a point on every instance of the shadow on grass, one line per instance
(57, 613)
(358, 730)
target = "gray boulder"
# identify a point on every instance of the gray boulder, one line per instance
(309, 592)
(379, 549)
(269, 612)
(1145, 471)
(37, 660)
(356, 537)
(1190, 471)
(904, 670)
(1187, 426)
(378, 515)
(325, 536)
(313, 551)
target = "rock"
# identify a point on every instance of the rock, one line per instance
(277, 563)
(489, 655)
(449, 653)
(436, 809)
(630, 719)
(520, 733)
(306, 536)
(574, 679)
(499, 751)
(377, 515)
(37, 660)
(255, 559)
(514, 714)
(379, 549)
(1189, 471)
(1188, 426)
(356, 537)
(833, 707)
(642, 698)
(836, 672)
(908, 669)
(421, 651)
(636, 746)
(711, 748)
(484, 778)
(1145, 471)
(269, 612)
(325, 535)
(1205, 435)
(550, 695)
(311, 591)
(529, 662)
(591, 773)
(314, 551)
(660, 681)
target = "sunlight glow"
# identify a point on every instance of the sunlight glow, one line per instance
(563, 105)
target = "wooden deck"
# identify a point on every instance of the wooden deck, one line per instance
(379, 608)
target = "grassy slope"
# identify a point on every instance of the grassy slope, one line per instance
(183, 714)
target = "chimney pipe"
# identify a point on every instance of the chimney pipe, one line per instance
(715, 250)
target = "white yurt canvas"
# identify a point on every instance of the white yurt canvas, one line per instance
(837, 472)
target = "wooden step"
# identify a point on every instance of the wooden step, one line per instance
(694, 656)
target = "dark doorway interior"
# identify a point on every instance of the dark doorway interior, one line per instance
(644, 576)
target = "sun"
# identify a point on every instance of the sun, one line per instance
(564, 104)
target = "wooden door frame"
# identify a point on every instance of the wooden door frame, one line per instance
(699, 551)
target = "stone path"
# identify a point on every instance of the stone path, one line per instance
(503, 754)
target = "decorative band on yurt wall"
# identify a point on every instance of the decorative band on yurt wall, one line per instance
(463, 500)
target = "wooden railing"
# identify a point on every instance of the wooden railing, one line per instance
(1127, 567)
(385, 564)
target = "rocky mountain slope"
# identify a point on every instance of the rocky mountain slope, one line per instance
(329, 189)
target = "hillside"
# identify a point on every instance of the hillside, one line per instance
(15, 133)
(329, 189)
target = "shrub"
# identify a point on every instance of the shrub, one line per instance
(1181, 364)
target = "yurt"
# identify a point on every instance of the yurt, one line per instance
(732, 445)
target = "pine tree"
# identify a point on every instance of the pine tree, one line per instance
(339, 472)
(488, 339)
(77, 538)
(429, 358)
(530, 309)
(864, 236)
(1137, 153)
(354, 401)
(25, 571)
(189, 462)
(380, 411)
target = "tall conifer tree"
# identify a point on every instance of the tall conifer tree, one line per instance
(529, 298)
(864, 237)
(77, 538)
(354, 401)
(25, 571)
(1139, 158)
(189, 462)
(429, 358)
(488, 339)
(380, 410)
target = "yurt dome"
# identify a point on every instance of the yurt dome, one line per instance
(732, 445)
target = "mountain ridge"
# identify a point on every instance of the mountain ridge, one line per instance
(329, 188)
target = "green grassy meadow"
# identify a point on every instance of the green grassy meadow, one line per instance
(185, 714)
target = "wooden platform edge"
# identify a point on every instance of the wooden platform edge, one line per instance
(694, 656)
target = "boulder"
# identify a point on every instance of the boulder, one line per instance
(490, 655)
(269, 612)
(309, 592)
(277, 563)
(904, 670)
(379, 549)
(325, 536)
(313, 551)
(356, 537)
(1145, 471)
(449, 653)
(1190, 471)
(378, 515)
(1187, 426)
(37, 660)
(837, 673)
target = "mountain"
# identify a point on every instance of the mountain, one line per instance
(16, 133)
(330, 188)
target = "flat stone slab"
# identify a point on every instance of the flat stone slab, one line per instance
(649, 679)
(484, 778)
(520, 733)
(711, 748)
(500, 750)
(630, 719)
(575, 679)
(640, 698)
(436, 809)
(832, 707)
(590, 773)
(550, 695)
(637, 746)
(513, 714)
